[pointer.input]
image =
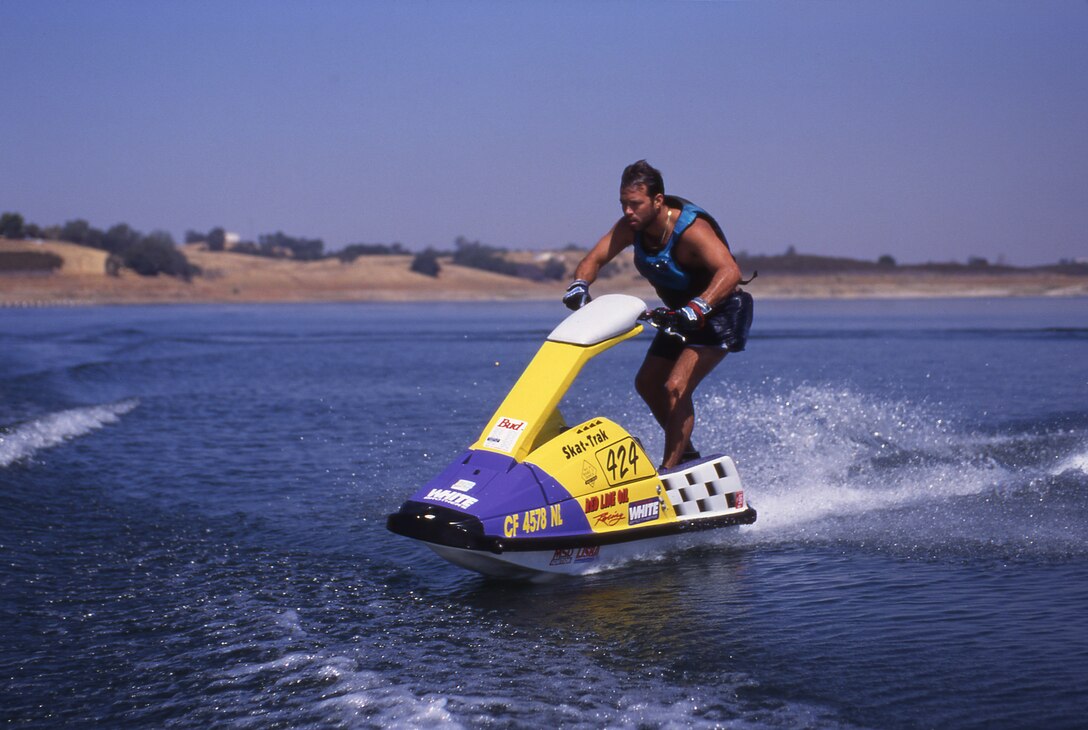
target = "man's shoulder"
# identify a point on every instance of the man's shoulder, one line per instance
(702, 225)
(698, 228)
(622, 235)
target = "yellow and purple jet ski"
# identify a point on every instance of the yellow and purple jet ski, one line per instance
(533, 496)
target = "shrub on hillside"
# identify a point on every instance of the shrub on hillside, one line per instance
(280, 245)
(476, 255)
(12, 226)
(555, 269)
(426, 263)
(29, 262)
(120, 238)
(156, 254)
(355, 250)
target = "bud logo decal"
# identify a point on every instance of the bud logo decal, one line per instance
(504, 434)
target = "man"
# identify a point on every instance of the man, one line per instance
(682, 252)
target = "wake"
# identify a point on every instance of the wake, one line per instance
(829, 463)
(23, 440)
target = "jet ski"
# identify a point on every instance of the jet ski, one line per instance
(534, 496)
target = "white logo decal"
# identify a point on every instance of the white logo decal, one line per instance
(462, 485)
(448, 496)
(645, 510)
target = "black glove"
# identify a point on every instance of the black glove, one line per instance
(692, 316)
(577, 295)
(668, 321)
(688, 318)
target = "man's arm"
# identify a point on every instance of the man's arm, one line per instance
(702, 249)
(606, 249)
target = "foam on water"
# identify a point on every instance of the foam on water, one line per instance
(315, 682)
(348, 693)
(1074, 463)
(23, 440)
(818, 456)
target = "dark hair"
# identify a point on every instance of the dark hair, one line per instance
(645, 174)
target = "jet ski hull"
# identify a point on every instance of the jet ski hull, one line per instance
(536, 558)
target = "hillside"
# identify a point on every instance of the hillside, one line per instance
(232, 277)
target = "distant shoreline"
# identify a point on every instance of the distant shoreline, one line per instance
(231, 278)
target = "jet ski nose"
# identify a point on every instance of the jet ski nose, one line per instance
(440, 525)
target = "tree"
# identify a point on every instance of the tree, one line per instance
(114, 264)
(353, 251)
(476, 255)
(156, 254)
(303, 249)
(80, 231)
(217, 239)
(12, 226)
(886, 261)
(555, 269)
(426, 262)
(119, 238)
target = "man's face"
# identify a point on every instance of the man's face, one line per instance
(638, 208)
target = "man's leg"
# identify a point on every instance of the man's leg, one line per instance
(667, 388)
(650, 384)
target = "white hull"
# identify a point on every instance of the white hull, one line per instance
(543, 564)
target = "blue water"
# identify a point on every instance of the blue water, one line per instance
(192, 506)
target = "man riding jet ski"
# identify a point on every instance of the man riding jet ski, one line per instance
(534, 496)
(689, 264)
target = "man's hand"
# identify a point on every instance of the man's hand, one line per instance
(667, 320)
(577, 295)
(694, 314)
(688, 318)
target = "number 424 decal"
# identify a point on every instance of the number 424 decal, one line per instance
(623, 461)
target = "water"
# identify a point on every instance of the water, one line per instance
(192, 506)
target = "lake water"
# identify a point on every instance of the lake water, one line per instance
(193, 501)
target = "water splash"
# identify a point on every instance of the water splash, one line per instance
(817, 452)
(1074, 463)
(25, 439)
(830, 463)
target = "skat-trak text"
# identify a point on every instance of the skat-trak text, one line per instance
(585, 443)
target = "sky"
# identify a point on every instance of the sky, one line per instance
(928, 131)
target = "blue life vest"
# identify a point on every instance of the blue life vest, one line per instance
(660, 268)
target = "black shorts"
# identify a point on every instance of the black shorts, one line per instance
(726, 328)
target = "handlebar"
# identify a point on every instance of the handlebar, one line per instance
(649, 316)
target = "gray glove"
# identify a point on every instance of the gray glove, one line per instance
(577, 295)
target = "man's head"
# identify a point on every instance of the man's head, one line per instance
(642, 194)
(644, 174)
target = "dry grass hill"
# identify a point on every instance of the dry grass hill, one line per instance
(230, 277)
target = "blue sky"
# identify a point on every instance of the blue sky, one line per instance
(931, 131)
